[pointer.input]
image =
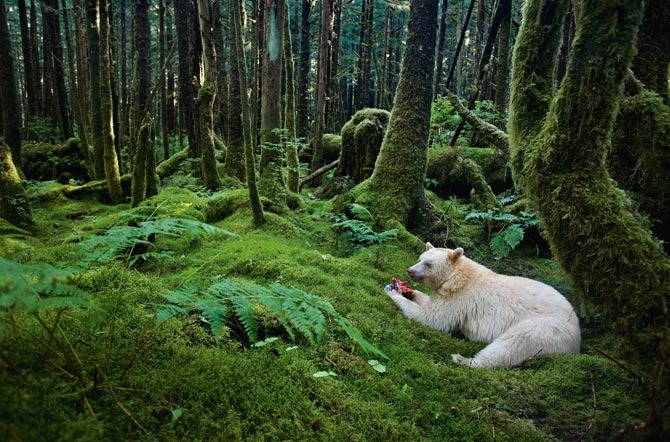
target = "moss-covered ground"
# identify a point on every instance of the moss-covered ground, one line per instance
(107, 372)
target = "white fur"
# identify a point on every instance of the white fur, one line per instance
(520, 318)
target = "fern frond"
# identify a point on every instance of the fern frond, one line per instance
(358, 338)
(244, 311)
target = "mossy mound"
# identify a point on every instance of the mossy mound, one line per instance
(445, 167)
(44, 161)
(332, 146)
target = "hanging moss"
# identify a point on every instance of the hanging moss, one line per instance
(13, 202)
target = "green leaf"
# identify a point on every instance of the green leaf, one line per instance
(324, 374)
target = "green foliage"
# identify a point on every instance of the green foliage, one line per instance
(444, 118)
(356, 230)
(504, 229)
(42, 129)
(300, 313)
(37, 287)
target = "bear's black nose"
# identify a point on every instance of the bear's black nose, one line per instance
(411, 272)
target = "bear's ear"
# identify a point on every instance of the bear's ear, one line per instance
(429, 246)
(455, 254)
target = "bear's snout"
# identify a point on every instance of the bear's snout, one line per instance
(413, 273)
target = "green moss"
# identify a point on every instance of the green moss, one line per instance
(332, 145)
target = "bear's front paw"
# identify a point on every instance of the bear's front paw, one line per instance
(463, 360)
(391, 291)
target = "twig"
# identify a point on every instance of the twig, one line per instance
(319, 172)
(327, 359)
(118, 402)
(640, 379)
(88, 405)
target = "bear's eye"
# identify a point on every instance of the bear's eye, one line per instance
(427, 264)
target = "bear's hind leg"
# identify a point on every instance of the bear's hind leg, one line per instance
(510, 349)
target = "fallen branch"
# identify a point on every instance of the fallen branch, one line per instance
(318, 172)
(490, 132)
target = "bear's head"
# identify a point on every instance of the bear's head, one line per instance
(435, 265)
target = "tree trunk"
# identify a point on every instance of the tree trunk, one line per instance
(124, 122)
(162, 80)
(325, 31)
(206, 96)
(54, 58)
(502, 72)
(11, 113)
(221, 101)
(459, 46)
(34, 49)
(14, 205)
(271, 181)
(609, 253)
(440, 47)
(362, 97)
(139, 176)
(93, 39)
(292, 162)
(235, 143)
(186, 79)
(238, 41)
(84, 130)
(303, 73)
(395, 190)
(112, 174)
(32, 83)
(334, 101)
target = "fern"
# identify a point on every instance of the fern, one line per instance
(358, 233)
(37, 287)
(132, 242)
(300, 313)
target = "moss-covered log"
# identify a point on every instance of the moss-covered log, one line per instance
(395, 190)
(610, 254)
(13, 202)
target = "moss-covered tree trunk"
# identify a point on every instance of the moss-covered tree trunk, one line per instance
(206, 96)
(235, 162)
(139, 175)
(302, 105)
(112, 174)
(11, 115)
(238, 43)
(93, 38)
(13, 202)
(559, 148)
(292, 163)
(272, 182)
(395, 189)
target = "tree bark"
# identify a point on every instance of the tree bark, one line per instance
(206, 96)
(235, 143)
(11, 113)
(559, 144)
(92, 32)
(292, 162)
(254, 198)
(112, 173)
(440, 47)
(303, 73)
(271, 182)
(32, 83)
(502, 71)
(325, 31)
(54, 58)
(652, 62)
(186, 87)
(363, 77)
(162, 80)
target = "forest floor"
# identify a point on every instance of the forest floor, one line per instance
(107, 370)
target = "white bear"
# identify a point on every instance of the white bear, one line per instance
(518, 317)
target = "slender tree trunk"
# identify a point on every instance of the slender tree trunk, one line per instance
(82, 95)
(395, 190)
(502, 74)
(238, 42)
(206, 97)
(124, 129)
(171, 109)
(292, 163)
(186, 87)
(271, 181)
(114, 83)
(140, 98)
(334, 101)
(55, 62)
(384, 102)
(112, 174)
(235, 143)
(363, 77)
(32, 84)
(93, 39)
(459, 46)
(302, 104)
(34, 50)
(11, 113)
(162, 80)
(325, 32)
(257, 70)
(221, 102)
(440, 47)
(609, 253)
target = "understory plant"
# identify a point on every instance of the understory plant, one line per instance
(299, 313)
(355, 231)
(505, 229)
